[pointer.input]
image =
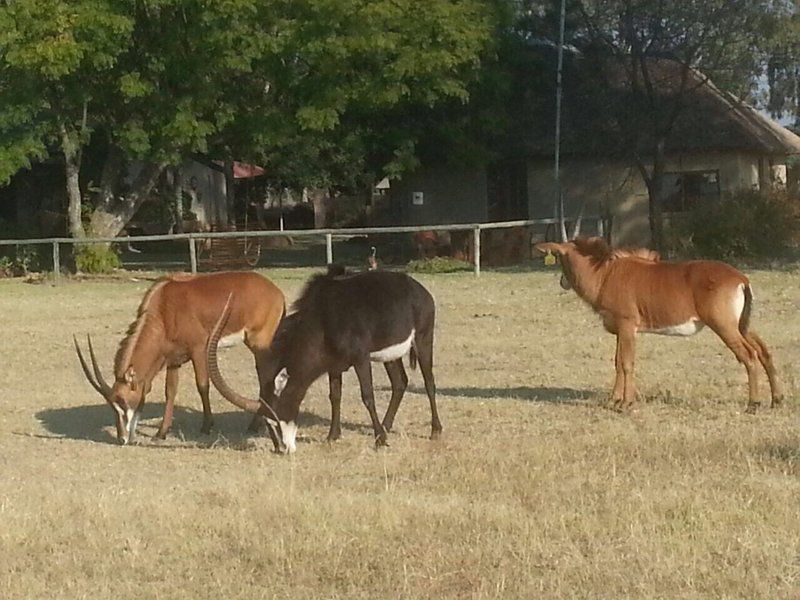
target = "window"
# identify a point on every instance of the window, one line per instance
(685, 190)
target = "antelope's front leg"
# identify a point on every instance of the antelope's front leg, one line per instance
(363, 371)
(626, 350)
(335, 384)
(618, 393)
(170, 391)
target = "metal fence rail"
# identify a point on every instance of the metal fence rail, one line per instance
(328, 234)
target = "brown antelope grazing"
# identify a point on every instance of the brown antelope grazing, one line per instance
(633, 291)
(340, 321)
(172, 326)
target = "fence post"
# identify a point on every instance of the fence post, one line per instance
(601, 228)
(476, 236)
(329, 247)
(56, 263)
(192, 255)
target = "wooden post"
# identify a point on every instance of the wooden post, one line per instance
(329, 247)
(193, 255)
(476, 235)
(56, 263)
(601, 228)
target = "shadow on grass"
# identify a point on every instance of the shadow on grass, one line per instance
(95, 423)
(555, 395)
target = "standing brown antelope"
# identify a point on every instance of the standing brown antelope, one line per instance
(633, 291)
(172, 326)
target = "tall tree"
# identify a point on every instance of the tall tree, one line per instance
(633, 44)
(56, 61)
(298, 84)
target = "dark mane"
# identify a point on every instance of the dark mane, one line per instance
(594, 248)
(128, 344)
(598, 251)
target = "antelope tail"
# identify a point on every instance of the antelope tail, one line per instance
(412, 357)
(744, 319)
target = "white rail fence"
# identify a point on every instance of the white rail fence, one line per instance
(328, 234)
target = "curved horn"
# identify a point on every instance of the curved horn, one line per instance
(101, 381)
(223, 388)
(85, 367)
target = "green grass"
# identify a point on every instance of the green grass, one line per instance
(535, 490)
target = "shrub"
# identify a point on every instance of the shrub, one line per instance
(96, 259)
(749, 223)
(438, 264)
(24, 260)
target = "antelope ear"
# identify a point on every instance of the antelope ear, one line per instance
(130, 378)
(281, 379)
(551, 247)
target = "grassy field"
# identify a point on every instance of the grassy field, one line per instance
(536, 490)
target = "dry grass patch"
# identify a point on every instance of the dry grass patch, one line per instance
(536, 490)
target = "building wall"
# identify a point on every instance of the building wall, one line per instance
(207, 188)
(448, 196)
(612, 187)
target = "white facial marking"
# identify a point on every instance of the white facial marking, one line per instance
(738, 302)
(688, 328)
(392, 352)
(231, 339)
(133, 421)
(117, 408)
(281, 379)
(289, 434)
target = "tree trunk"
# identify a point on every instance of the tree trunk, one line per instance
(177, 191)
(70, 146)
(230, 192)
(655, 192)
(114, 211)
(320, 200)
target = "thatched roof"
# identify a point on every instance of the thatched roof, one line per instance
(709, 120)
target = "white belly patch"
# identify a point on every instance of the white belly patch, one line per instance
(392, 352)
(688, 328)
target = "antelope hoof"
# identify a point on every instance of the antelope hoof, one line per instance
(776, 402)
(436, 434)
(380, 442)
(333, 436)
(206, 428)
(752, 408)
(161, 434)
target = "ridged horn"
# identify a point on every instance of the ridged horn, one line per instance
(222, 386)
(100, 385)
(101, 381)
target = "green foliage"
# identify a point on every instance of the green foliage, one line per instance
(438, 264)
(23, 260)
(746, 224)
(96, 259)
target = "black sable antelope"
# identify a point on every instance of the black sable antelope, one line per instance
(340, 321)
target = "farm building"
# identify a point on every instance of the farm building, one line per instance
(717, 145)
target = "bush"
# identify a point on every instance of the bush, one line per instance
(749, 223)
(438, 264)
(96, 259)
(24, 260)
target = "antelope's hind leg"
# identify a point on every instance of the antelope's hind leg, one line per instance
(399, 380)
(201, 379)
(746, 353)
(765, 358)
